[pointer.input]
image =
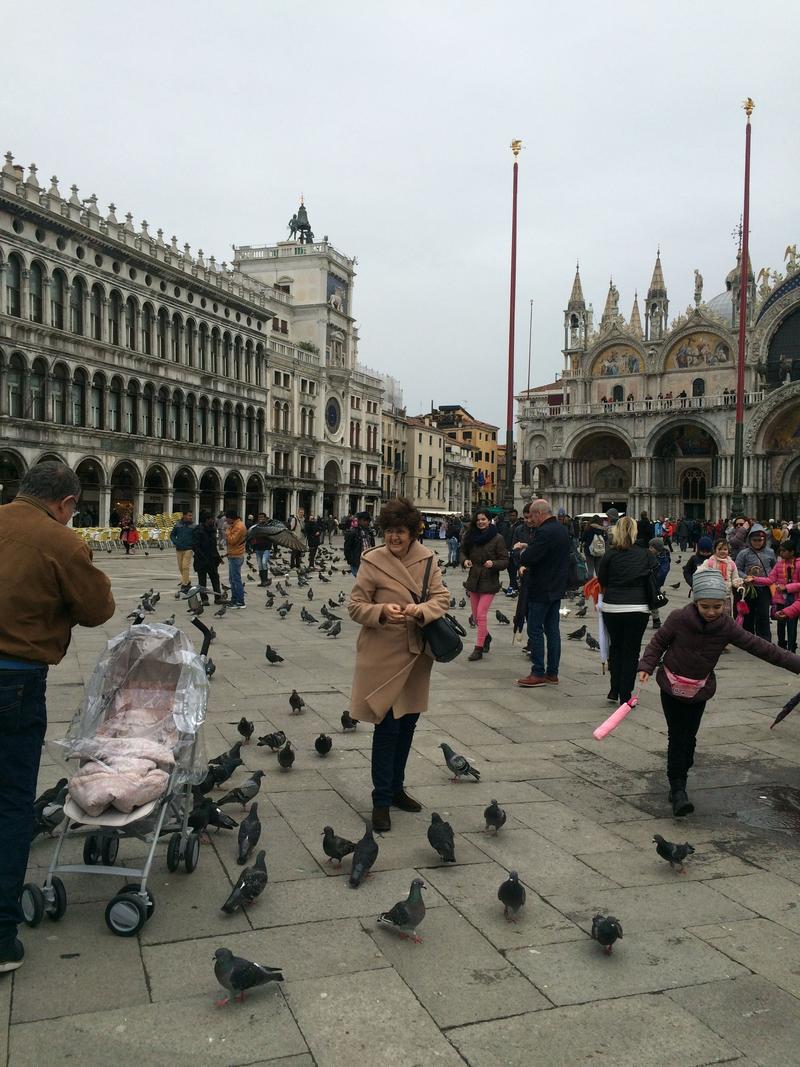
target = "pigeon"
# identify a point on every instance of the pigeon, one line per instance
(250, 578)
(457, 764)
(219, 773)
(270, 601)
(221, 611)
(249, 833)
(335, 630)
(310, 594)
(170, 621)
(495, 816)
(296, 702)
(244, 793)
(210, 668)
(322, 578)
(286, 756)
(364, 855)
(334, 618)
(677, 585)
(502, 619)
(332, 604)
(217, 817)
(136, 614)
(440, 836)
(581, 612)
(309, 618)
(577, 635)
(251, 884)
(452, 601)
(342, 596)
(673, 854)
(199, 815)
(462, 602)
(472, 623)
(48, 809)
(323, 744)
(592, 642)
(237, 974)
(282, 613)
(335, 848)
(406, 915)
(348, 723)
(155, 597)
(138, 618)
(246, 729)
(280, 589)
(273, 656)
(326, 625)
(274, 741)
(511, 895)
(606, 930)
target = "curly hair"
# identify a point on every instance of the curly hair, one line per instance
(400, 512)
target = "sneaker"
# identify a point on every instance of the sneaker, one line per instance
(11, 956)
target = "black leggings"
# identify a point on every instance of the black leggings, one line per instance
(683, 722)
(625, 632)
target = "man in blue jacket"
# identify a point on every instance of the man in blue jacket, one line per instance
(182, 537)
(545, 563)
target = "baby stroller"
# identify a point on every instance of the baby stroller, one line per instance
(134, 751)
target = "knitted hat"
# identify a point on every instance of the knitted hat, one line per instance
(705, 544)
(708, 585)
(656, 543)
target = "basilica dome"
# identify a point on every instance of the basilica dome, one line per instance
(722, 306)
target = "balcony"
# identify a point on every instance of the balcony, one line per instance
(637, 407)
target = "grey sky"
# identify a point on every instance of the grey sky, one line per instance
(394, 120)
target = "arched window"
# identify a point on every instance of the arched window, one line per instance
(190, 418)
(130, 323)
(310, 422)
(163, 331)
(97, 403)
(260, 429)
(36, 379)
(259, 363)
(147, 329)
(78, 398)
(57, 291)
(177, 337)
(190, 341)
(215, 423)
(226, 355)
(35, 289)
(215, 351)
(276, 415)
(114, 317)
(130, 412)
(237, 359)
(227, 426)
(147, 410)
(693, 485)
(203, 421)
(617, 394)
(302, 422)
(96, 313)
(14, 286)
(248, 362)
(15, 384)
(248, 442)
(285, 426)
(238, 428)
(58, 392)
(699, 387)
(162, 414)
(202, 346)
(77, 296)
(115, 405)
(176, 416)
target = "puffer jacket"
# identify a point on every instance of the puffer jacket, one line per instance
(480, 578)
(748, 557)
(690, 646)
(623, 574)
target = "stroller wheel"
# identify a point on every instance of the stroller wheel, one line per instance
(126, 914)
(32, 903)
(109, 849)
(91, 850)
(134, 887)
(57, 907)
(192, 853)
(174, 853)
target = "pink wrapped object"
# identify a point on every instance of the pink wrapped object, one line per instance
(614, 719)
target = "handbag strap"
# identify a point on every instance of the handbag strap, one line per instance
(426, 579)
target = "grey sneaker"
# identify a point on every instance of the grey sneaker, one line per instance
(11, 956)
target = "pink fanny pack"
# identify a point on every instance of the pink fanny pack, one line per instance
(687, 688)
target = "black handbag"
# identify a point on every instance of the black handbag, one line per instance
(442, 636)
(655, 598)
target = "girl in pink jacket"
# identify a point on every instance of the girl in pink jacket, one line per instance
(785, 578)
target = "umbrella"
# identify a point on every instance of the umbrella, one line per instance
(788, 707)
(615, 718)
(602, 632)
(279, 535)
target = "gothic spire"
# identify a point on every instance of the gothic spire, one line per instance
(636, 321)
(658, 286)
(576, 301)
(611, 310)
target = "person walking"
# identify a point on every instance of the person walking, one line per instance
(682, 533)
(784, 579)
(391, 677)
(128, 534)
(688, 647)
(49, 585)
(593, 541)
(544, 566)
(483, 555)
(259, 543)
(453, 531)
(757, 553)
(182, 537)
(624, 573)
(314, 532)
(206, 554)
(662, 558)
(646, 530)
(705, 546)
(235, 537)
(357, 540)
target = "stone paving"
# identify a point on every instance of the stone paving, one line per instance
(709, 968)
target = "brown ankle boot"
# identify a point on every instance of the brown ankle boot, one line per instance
(381, 820)
(476, 653)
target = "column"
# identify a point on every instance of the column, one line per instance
(170, 506)
(105, 505)
(3, 268)
(138, 497)
(24, 294)
(47, 309)
(3, 393)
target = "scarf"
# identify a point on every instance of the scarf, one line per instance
(481, 537)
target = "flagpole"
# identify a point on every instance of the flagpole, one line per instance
(508, 495)
(737, 497)
(530, 339)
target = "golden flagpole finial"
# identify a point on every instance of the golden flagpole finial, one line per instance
(515, 147)
(748, 106)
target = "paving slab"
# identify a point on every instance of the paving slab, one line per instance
(589, 799)
(766, 894)
(565, 827)
(636, 1031)
(760, 945)
(645, 867)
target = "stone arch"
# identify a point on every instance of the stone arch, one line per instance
(254, 495)
(125, 481)
(581, 439)
(210, 491)
(783, 349)
(51, 457)
(156, 481)
(93, 479)
(685, 454)
(233, 491)
(690, 422)
(184, 490)
(12, 469)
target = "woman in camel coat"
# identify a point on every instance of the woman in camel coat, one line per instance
(392, 672)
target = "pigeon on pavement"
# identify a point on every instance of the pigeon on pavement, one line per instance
(335, 848)
(495, 816)
(274, 741)
(406, 915)
(219, 613)
(502, 619)
(326, 625)
(244, 793)
(250, 885)
(217, 817)
(246, 729)
(273, 656)
(335, 630)
(458, 764)
(310, 594)
(232, 753)
(440, 836)
(296, 702)
(676, 585)
(236, 974)
(364, 855)
(219, 773)
(581, 612)
(348, 723)
(249, 833)
(323, 744)
(286, 757)
(606, 930)
(577, 635)
(592, 642)
(511, 895)
(675, 855)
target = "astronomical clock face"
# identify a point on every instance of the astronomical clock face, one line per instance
(333, 414)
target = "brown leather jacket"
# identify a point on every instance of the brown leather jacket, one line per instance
(48, 584)
(480, 578)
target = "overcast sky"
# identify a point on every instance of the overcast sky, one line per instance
(209, 119)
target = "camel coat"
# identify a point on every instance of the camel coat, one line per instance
(392, 668)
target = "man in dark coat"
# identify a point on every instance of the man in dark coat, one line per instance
(206, 554)
(546, 566)
(357, 540)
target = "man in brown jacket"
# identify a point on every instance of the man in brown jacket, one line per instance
(236, 537)
(47, 585)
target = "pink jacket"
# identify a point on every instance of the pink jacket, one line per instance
(781, 574)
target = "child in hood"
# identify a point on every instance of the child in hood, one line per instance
(704, 549)
(684, 652)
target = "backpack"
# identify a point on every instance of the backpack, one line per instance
(597, 545)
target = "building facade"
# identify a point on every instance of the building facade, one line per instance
(168, 381)
(643, 416)
(480, 439)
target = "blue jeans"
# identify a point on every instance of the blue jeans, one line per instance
(543, 621)
(23, 721)
(235, 578)
(391, 744)
(452, 550)
(262, 559)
